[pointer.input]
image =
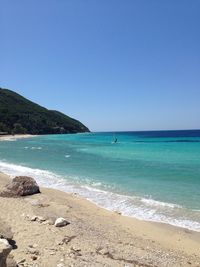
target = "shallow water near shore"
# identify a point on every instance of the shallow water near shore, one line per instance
(148, 175)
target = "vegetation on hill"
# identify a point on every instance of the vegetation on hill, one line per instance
(18, 115)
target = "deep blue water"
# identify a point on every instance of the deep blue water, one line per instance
(152, 175)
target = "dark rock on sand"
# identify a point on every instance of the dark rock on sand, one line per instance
(21, 186)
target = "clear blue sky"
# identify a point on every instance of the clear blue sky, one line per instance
(112, 64)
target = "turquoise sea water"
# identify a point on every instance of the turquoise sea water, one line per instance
(148, 175)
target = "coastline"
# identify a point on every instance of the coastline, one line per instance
(104, 238)
(142, 208)
(108, 200)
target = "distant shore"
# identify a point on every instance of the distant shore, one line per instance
(9, 137)
(96, 237)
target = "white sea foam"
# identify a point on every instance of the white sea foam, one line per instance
(42, 176)
(140, 208)
(33, 147)
(152, 202)
(67, 156)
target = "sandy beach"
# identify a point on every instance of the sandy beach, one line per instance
(94, 237)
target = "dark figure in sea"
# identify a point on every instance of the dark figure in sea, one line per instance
(115, 140)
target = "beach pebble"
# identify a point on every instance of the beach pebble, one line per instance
(33, 218)
(60, 222)
(41, 219)
(76, 249)
(33, 257)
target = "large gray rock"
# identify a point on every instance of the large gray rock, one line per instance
(21, 186)
(5, 249)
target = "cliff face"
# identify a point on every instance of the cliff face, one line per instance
(19, 115)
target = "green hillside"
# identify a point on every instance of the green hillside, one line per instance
(19, 115)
